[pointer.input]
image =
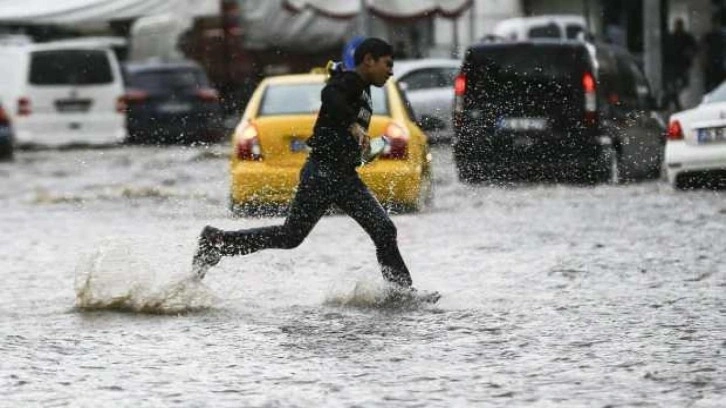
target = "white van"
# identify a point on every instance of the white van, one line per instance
(63, 92)
(554, 26)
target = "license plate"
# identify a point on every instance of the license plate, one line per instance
(298, 145)
(175, 107)
(72, 105)
(710, 135)
(523, 124)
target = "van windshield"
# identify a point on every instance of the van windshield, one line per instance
(70, 67)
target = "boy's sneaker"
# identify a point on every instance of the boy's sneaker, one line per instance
(208, 251)
(398, 293)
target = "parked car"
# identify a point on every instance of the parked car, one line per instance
(555, 109)
(695, 153)
(6, 136)
(553, 26)
(171, 102)
(269, 146)
(429, 86)
(62, 92)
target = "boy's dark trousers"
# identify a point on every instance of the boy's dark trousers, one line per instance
(320, 187)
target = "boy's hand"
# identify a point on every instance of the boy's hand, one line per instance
(361, 136)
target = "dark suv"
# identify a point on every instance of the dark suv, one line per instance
(554, 110)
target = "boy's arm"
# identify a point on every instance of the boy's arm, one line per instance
(340, 112)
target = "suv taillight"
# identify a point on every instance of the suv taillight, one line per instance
(397, 147)
(24, 108)
(131, 97)
(589, 88)
(208, 95)
(459, 91)
(248, 143)
(675, 131)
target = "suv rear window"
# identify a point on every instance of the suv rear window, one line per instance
(70, 67)
(304, 99)
(530, 60)
(168, 79)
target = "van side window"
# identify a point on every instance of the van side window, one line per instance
(633, 85)
(70, 67)
(608, 76)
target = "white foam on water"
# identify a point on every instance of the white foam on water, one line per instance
(139, 275)
(373, 294)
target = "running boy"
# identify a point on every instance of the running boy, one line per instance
(329, 175)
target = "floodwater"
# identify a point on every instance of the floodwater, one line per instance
(553, 295)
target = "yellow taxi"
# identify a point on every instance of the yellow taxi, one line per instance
(269, 149)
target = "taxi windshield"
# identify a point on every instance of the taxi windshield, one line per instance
(304, 99)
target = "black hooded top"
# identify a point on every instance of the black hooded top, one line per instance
(345, 99)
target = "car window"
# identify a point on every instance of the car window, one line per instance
(717, 95)
(407, 104)
(448, 75)
(425, 78)
(70, 67)
(168, 79)
(304, 99)
(529, 60)
(547, 31)
(573, 30)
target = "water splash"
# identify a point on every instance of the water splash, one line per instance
(137, 276)
(375, 295)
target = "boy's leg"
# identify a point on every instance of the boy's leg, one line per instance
(311, 201)
(357, 201)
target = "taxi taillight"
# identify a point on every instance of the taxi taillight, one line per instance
(675, 131)
(247, 145)
(398, 137)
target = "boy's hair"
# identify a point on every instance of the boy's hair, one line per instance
(374, 46)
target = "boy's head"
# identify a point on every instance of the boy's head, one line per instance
(373, 60)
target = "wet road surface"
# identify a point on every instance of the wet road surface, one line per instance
(553, 295)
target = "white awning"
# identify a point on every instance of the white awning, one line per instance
(91, 11)
(387, 9)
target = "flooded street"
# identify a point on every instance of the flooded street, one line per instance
(553, 295)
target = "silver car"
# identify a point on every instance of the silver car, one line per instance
(429, 86)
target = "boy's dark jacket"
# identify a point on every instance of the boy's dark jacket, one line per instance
(345, 100)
